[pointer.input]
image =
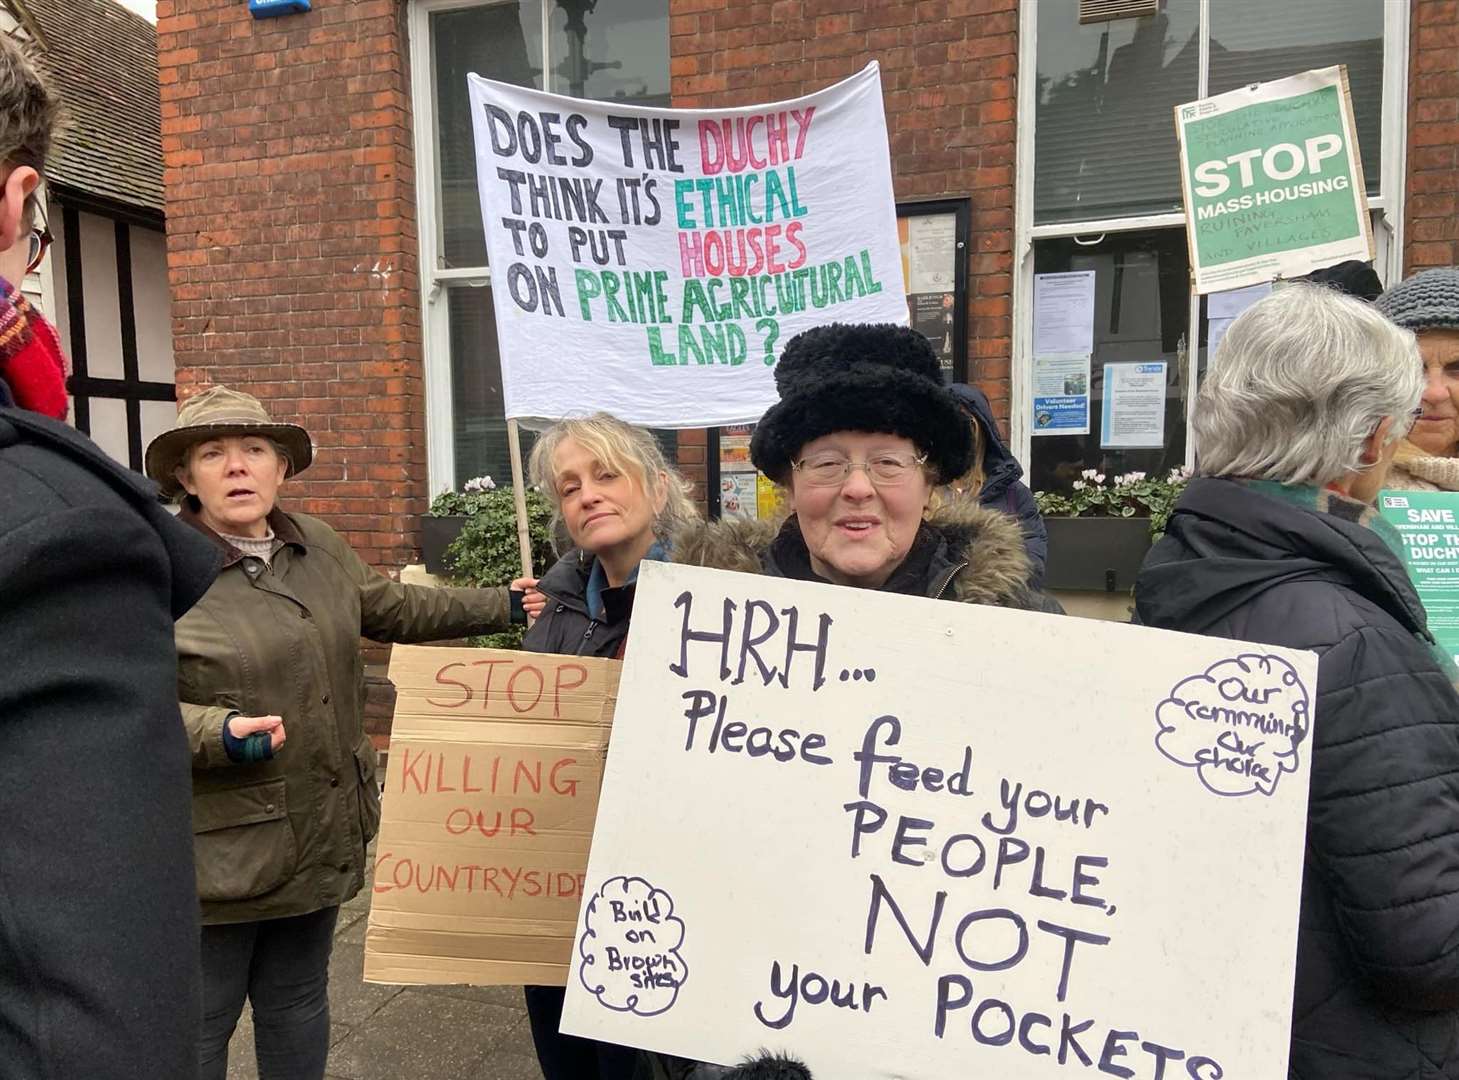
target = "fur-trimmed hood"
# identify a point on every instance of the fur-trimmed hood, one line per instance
(980, 553)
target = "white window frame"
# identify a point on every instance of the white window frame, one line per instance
(1386, 206)
(435, 281)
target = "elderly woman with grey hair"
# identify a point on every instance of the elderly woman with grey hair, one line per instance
(1428, 304)
(1275, 542)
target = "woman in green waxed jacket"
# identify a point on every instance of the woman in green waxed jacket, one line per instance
(271, 684)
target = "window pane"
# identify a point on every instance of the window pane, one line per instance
(479, 427)
(1257, 40)
(1141, 312)
(499, 41)
(478, 424)
(1104, 134)
(619, 52)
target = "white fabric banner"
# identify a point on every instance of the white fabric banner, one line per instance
(652, 263)
(903, 838)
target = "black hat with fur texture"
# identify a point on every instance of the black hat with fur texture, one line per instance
(872, 377)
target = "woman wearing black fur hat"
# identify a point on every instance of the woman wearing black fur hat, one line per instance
(862, 435)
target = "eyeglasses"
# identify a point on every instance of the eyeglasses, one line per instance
(40, 240)
(833, 470)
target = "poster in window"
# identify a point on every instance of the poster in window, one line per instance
(1224, 307)
(1133, 416)
(1063, 312)
(1061, 394)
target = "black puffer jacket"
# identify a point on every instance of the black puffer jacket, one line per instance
(565, 626)
(962, 552)
(1377, 985)
(1003, 487)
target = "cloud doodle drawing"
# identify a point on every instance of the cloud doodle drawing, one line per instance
(1239, 724)
(630, 947)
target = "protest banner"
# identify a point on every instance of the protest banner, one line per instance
(652, 263)
(496, 761)
(1272, 181)
(910, 838)
(1428, 522)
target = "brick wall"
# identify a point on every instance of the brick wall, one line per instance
(1431, 227)
(948, 73)
(292, 245)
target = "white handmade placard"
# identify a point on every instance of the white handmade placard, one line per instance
(653, 262)
(903, 837)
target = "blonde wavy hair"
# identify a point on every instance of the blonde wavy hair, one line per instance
(622, 448)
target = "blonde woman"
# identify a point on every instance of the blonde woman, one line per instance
(619, 501)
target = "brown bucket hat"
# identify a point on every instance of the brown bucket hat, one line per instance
(216, 412)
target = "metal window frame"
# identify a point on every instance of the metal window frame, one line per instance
(1386, 207)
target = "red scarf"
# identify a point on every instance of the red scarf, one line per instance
(31, 361)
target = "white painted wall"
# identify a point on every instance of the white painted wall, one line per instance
(103, 309)
(153, 306)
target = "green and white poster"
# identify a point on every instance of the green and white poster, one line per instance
(1428, 522)
(1272, 180)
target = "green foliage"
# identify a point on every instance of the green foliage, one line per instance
(477, 495)
(1131, 495)
(486, 553)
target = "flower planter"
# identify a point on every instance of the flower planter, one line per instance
(1095, 554)
(436, 535)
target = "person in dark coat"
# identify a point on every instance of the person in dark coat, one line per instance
(1275, 541)
(285, 790)
(618, 500)
(861, 438)
(98, 913)
(995, 478)
(1352, 278)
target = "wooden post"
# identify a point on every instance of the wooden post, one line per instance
(519, 497)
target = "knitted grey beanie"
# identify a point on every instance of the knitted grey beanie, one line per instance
(1426, 301)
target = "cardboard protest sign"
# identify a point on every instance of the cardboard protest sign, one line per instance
(653, 262)
(904, 837)
(1273, 181)
(496, 761)
(1428, 522)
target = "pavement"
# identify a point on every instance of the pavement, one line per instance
(420, 1032)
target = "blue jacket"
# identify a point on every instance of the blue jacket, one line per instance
(1003, 487)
